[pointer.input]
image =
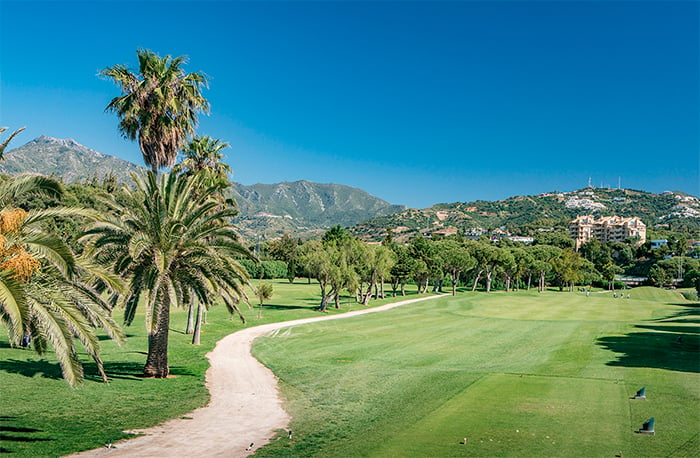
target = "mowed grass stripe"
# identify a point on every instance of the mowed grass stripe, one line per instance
(361, 387)
(598, 307)
(510, 415)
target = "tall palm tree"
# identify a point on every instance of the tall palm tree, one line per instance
(202, 155)
(45, 292)
(170, 240)
(158, 106)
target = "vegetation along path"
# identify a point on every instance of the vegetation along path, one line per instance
(245, 407)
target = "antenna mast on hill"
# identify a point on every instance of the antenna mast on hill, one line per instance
(589, 182)
(618, 182)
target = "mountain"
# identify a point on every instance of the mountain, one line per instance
(64, 158)
(268, 210)
(526, 215)
(304, 206)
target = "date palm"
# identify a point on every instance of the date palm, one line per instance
(170, 239)
(45, 291)
(159, 106)
(202, 155)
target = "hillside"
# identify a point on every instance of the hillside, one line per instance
(524, 215)
(303, 208)
(64, 158)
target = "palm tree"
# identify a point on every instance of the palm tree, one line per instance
(202, 155)
(158, 106)
(42, 294)
(7, 141)
(170, 239)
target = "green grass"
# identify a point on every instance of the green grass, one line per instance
(40, 415)
(519, 374)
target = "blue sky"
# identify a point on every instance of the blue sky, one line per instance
(415, 102)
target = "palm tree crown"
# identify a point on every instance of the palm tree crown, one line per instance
(158, 106)
(170, 240)
(203, 155)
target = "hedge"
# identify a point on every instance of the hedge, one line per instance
(265, 269)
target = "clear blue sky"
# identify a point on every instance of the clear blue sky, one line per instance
(415, 102)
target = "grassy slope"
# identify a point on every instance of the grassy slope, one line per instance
(40, 415)
(517, 374)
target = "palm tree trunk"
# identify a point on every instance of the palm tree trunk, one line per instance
(198, 325)
(157, 360)
(189, 329)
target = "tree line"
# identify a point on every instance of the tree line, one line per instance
(342, 262)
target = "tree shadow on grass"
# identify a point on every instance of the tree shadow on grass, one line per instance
(660, 345)
(689, 314)
(32, 368)
(103, 338)
(16, 434)
(114, 370)
(285, 307)
(660, 350)
(128, 370)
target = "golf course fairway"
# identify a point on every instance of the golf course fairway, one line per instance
(515, 374)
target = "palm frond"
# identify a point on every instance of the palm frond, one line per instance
(13, 304)
(51, 326)
(27, 184)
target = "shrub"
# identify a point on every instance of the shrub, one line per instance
(265, 269)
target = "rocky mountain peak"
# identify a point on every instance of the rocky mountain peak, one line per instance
(68, 142)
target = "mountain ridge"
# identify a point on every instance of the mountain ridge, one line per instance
(65, 158)
(266, 210)
(307, 208)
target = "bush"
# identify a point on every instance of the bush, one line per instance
(274, 269)
(265, 269)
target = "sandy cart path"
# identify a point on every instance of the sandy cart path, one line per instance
(245, 406)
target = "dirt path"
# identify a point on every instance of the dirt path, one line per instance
(245, 406)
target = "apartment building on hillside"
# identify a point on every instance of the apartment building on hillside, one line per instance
(606, 229)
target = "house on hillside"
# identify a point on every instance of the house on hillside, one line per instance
(607, 229)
